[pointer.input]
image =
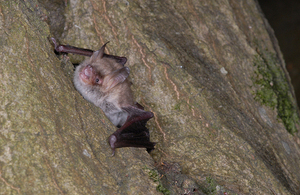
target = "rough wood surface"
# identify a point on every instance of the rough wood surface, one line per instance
(210, 71)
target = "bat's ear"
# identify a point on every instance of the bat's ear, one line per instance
(98, 54)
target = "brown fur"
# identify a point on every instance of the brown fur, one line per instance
(113, 92)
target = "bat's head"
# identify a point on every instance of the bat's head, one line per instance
(98, 75)
(88, 81)
(89, 76)
(104, 63)
(92, 71)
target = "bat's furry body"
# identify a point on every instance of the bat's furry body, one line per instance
(113, 92)
(103, 80)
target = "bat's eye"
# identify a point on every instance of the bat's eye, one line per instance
(98, 81)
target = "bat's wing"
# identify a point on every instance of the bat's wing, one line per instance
(134, 132)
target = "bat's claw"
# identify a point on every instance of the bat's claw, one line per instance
(54, 42)
(113, 152)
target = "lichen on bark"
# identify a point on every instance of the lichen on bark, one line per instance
(274, 89)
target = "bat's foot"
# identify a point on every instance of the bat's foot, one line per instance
(133, 133)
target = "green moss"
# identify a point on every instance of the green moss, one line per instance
(177, 106)
(155, 176)
(211, 188)
(273, 89)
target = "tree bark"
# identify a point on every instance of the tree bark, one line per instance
(225, 117)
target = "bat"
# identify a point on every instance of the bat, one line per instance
(102, 79)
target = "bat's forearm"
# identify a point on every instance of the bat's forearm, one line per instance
(74, 50)
(71, 49)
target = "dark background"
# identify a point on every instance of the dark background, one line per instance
(284, 17)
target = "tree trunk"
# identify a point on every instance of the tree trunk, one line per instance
(225, 117)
